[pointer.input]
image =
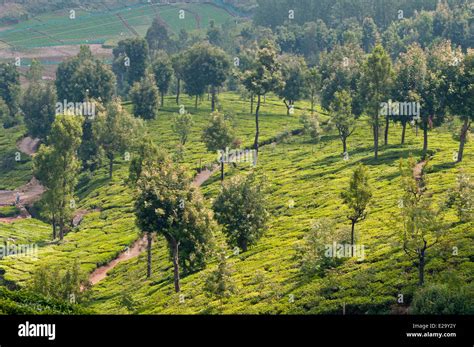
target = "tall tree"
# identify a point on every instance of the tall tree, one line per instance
(10, 92)
(158, 37)
(314, 83)
(461, 99)
(130, 61)
(241, 209)
(410, 85)
(115, 131)
(39, 109)
(178, 61)
(145, 98)
(218, 136)
(342, 116)
(369, 34)
(57, 167)
(377, 74)
(205, 66)
(294, 74)
(264, 78)
(422, 227)
(170, 205)
(163, 71)
(83, 77)
(357, 198)
(35, 72)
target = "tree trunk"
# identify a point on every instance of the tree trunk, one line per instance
(376, 138)
(421, 269)
(213, 100)
(288, 105)
(425, 137)
(175, 246)
(387, 125)
(257, 128)
(111, 167)
(244, 245)
(404, 128)
(61, 229)
(352, 236)
(464, 130)
(196, 103)
(54, 227)
(178, 91)
(344, 144)
(312, 102)
(222, 170)
(148, 249)
(162, 99)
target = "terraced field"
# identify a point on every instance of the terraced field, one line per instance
(108, 25)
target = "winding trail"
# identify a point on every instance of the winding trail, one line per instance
(27, 194)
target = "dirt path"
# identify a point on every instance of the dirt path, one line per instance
(27, 194)
(134, 251)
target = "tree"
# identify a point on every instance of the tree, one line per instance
(115, 130)
(57, 167)
(168, 204)
(369, 34)
(421, 223)
(357, 198)
(241, 209)
(314, 83)
(410, 83)
(205, 66)
(218, 135)
(461, 99)
(377, 73)
(294, 73)
(264, 78)
(10, 93)
(35, 72)
(39, 109)
(130, 62)
(163, 71)
(462, 197)
(145, 98)
(157, 36)
(182, 125)
(311, 127)
(219, 282)
(178, 61)
(342, 117)
(84, 77)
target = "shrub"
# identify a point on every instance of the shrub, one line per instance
(437, 299)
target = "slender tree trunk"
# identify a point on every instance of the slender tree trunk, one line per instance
(387, 125)
(148, 249)
(196, 103)
(288, 106)
(53, 219)
(464, 130)
(111, 166)
(251, 104)
(425, 137)
(178, 91)
(257, 128)
(353, 223)
(222, 170)
(162, 99)
(213, 102)
(244, 245)
(175, 246)
(344, 144)
(421, 269)
(312, 102)
(61, 229)
(376, 138)
(404, 129)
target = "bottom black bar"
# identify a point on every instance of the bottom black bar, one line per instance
(179, 330)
